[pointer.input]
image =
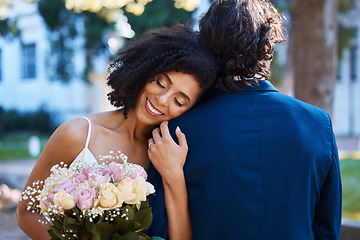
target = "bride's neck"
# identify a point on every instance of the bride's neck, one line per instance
(135, 129)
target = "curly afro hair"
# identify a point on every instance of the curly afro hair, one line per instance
(242, 34)
(174, 48)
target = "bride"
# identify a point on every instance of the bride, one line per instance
(156, 78)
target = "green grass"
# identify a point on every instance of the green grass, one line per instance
(350, 176)
(13, 147)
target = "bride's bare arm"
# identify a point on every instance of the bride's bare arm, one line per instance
(63, 146)
(169, 158)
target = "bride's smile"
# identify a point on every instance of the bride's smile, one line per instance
(151, 109)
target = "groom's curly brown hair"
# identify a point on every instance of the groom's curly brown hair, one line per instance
(158, 51)
(243, 34)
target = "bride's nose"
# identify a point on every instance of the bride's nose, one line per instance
(164, 98)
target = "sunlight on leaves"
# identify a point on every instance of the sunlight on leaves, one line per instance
(136, 7)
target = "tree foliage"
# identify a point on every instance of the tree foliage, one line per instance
(158, 13)
(62, 24)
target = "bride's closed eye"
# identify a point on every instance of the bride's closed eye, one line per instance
(157, 80)
(177, 102)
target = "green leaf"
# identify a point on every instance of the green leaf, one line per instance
(121, 223)
(137, 226)
(144, 217)
(72, 227)
(58, 224)
(96, 237)
(145, 204)
(83, 235)
(89, 226)
(71, 221)
(130, 212)
(55, 232)
(128, 236)
(105, 229)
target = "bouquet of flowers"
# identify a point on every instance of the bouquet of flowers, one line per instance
(100, 201)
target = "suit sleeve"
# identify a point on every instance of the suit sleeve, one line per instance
(327, 221)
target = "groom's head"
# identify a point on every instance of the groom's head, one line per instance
(243, 34)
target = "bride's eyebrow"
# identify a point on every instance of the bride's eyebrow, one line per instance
(182, 93)
(167, 77)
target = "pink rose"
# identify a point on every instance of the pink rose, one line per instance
(100, 181)
(81, 177)
(85, 198)
(91, 172)
(117, 171)
(138, 171)
(105, 170)
(96, 176)
(68, 185)
(121, 171)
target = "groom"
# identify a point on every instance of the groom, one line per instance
(261, 165)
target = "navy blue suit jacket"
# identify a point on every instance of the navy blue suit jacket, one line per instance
(261, 165)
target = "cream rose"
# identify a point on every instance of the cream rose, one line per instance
(64, 200)
(126, 187)
(110, 197)
(142, 188)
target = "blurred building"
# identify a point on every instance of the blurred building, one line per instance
(347, 90)
(26, 76)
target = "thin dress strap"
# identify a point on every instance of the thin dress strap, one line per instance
(89, 133)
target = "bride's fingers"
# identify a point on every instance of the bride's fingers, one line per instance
(165, 130)
(182, 138)
(150, 142)
(156, 135)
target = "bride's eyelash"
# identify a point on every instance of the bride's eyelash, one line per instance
(158, 82)
(178, 103)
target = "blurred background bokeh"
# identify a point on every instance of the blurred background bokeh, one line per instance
(54, 56)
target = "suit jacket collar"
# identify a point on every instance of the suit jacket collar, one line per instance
(263, 85)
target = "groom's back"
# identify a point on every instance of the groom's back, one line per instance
(261, 165)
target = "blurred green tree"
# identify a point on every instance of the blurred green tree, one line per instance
(158, 13)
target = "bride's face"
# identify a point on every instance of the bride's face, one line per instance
(167, 97)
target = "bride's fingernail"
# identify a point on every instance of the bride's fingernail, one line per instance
(178, 128)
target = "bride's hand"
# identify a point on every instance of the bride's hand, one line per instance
(166, 155)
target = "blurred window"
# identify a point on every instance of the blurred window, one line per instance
(29, 60)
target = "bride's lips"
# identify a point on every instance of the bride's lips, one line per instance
(151, 109)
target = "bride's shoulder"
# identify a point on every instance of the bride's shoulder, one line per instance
(74, 129)
(66, 142)
(70, 134)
